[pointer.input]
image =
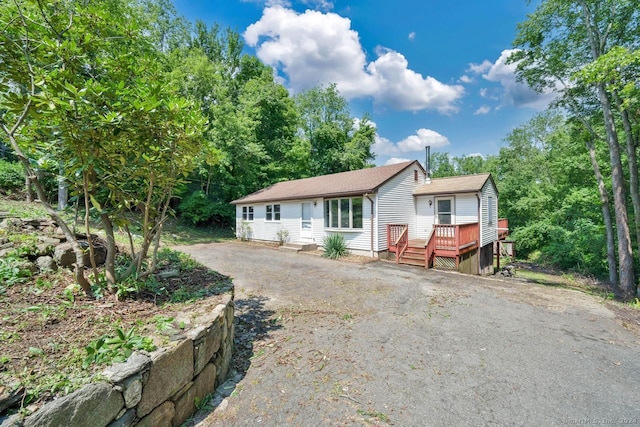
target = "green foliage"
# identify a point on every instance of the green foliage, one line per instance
(175, 259)
(11, 177)
(335, 246)
(12, 271)
(115, 349)
(283, 236)
(197, 209)
(244, 232)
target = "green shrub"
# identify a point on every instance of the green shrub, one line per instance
(334, 246)
(11, 176)
(199, 209)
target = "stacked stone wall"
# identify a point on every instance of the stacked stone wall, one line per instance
(157, 389)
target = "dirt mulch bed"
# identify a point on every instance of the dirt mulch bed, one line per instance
(45, 327)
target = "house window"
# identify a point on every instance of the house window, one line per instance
(343, 213)
(273, 213)
(490, 208)
(247, 213)
(445, 211)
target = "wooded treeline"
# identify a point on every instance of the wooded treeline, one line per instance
(136, 108)
(568, 179)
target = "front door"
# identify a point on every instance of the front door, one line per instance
(306, 229)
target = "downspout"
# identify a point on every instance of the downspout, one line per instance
(372, 217)
(478, 195)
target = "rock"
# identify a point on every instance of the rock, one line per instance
(207, 347)
(65, 257)
(160, 417)
(3, 240)
(168, 274)
(132, 391)
(8, 399)
(5, 252)
(93, 405)
(167, 375)
(46, 263)
(11, 224)
(11, 421)
(25, 264)
(136, 363)
(203, 385)
(52, 241)
(126, 420)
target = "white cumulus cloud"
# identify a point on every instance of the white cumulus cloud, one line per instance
(485, 109)
(513, 92)
(412, 35)
(411, 144)
(313, 48)
(395, 160)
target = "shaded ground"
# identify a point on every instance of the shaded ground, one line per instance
(342, 343)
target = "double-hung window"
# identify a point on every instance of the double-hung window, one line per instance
(445, 211)
(343, 213)
(247, 213)
(272, 213)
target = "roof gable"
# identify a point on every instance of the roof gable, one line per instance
(360, 181)
(455, 184)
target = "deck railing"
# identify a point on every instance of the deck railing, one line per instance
(450, 237)
(394, 231)
(503, 228)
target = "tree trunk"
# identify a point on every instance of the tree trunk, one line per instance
(632, 160)
(27, 187)
(625, 252)
(606, 214)
(109, 264)
(71, 238)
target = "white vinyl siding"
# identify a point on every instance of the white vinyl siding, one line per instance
(396, 204)
(466, 208)
(489, 231)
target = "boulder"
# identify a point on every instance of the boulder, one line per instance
(93, 405)
(65, 257)
(46, 263)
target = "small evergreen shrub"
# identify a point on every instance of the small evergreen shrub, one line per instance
(334, 246)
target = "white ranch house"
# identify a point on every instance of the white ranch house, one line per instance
(394, 209)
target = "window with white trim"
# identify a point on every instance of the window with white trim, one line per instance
(490, 209)
(247, 213)
(272, 213)
(445, 210)
(343, 213)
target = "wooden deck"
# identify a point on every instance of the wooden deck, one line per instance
(446, 241)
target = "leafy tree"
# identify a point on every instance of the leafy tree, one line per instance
(95, 82)
(562, 37)
(334, 141)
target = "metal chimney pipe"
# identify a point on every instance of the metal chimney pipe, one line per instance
(427, 164)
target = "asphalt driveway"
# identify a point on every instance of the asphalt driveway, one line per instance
(343, 343)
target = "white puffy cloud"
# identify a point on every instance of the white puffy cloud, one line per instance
(480, 68)
(395, 160)
(412, 35)
(314, 48)
(465, 79)
(513, 92)
(411, 144)
(485, 109)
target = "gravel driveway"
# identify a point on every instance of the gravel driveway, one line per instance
(343, 343)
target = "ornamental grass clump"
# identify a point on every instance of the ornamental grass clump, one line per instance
(335, 246)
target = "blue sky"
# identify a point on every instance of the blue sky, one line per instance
(429, 72)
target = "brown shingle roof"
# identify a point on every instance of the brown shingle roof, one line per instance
(454, 184)
(356, 182)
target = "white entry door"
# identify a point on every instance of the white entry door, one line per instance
(306, 229)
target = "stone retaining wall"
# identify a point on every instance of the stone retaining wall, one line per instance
(157, 389)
